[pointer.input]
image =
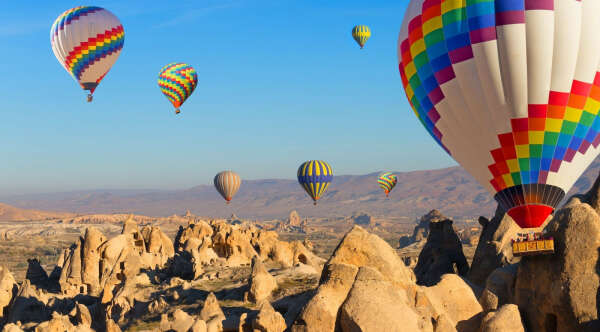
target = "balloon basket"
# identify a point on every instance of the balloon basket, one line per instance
(532, 244)
(177, 111)
(90, 97)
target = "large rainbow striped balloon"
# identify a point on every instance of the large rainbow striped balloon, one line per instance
(87, 41)
(315, 176)
(510, 89)
(177, 81)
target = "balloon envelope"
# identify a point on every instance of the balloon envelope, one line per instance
(87, 41)
(361, 33)
(387, 181)
(227, 184)
(177, 81)
(315, 176)
(511, 90)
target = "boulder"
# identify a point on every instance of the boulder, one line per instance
(358, 248)
(375, 304)
(58, 323)
(453, 297)
(12, 328)
(199, 326)
(441, 254)
(494, 248)
(182, 322)
(262, 283)
(321, 312)
(268, 320)
(506, 319)
(8, 290)
(500, 285)
(559, 292)
(294, 219)
(211, 309)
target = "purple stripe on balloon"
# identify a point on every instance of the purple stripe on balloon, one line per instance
(539, 4)
(584, 146)
(510, 17)
(596, 141)
(483, 35)
(555, 165)
(433, 115)
(436, 96)
(461, 54)
(438, 134)
(570, 155)
(444, 75)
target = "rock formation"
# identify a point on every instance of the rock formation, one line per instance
(8, 290)
(441, 254)
(36, 274)
(388, 309)
(364, 279)
(268, 320)
(94, 262)
(506, 319)
(494, 248)
(212, 313)
(201, 244)
(262, 284)
(559, 292)
(294, 219)
(421, 231)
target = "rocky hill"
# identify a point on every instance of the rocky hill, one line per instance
(11, 213)
(451, 190)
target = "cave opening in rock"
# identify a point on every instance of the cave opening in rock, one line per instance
(550, 323)
(302, 259)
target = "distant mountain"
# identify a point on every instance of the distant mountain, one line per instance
(451, 191)
(11, 213)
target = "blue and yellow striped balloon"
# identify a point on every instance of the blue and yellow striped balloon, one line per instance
(387, 181)
(361, 33)
(315, 176)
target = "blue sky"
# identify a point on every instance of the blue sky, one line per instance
(279, 82)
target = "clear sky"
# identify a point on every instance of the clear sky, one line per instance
(279, 82)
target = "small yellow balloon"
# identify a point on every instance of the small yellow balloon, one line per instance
(361, 34)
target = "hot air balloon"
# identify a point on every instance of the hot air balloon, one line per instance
(87, 41)
(361, 34)
(511, 90)
(177, 81)
(315, 176)
(227, 184)
(387, 181)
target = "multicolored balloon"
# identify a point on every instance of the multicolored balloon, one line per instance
(227, 184)
(511, 90)
(177, 81)
(315, 176)
(87, 42)
(361, 33)
(387, 181)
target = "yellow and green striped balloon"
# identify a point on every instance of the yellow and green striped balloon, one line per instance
(387, 181)
(315, 176)
(177, 81)
(361, 34)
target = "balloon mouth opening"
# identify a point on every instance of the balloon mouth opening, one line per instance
(531, 215)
